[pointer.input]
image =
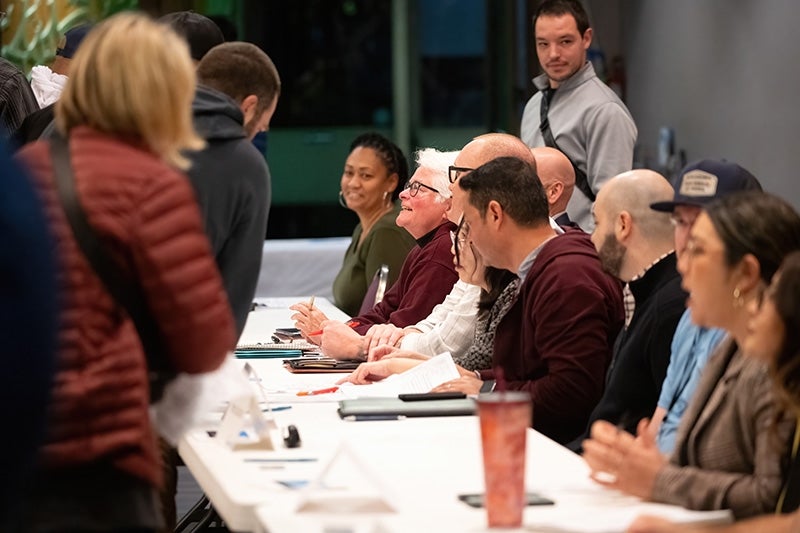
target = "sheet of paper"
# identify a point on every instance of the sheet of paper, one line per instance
(422, 378)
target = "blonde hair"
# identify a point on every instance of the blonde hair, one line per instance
(133, 77)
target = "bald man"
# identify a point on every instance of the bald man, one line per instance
(558, 179)
(635, 244)
(478, 151)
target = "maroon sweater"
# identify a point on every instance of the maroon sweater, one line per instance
(556, 340)
(427, 276)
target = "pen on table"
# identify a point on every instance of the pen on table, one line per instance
(277, 408)
(349, 323)
(318, 391)
(369, 418)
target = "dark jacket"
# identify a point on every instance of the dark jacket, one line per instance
(143, 211)
(556, 340)
(642, 352)
(16, 98)
(232, 183)
(34, 126)
(27, 329)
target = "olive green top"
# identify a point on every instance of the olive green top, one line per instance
(385, 244)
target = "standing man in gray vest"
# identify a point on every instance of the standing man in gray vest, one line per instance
(574, 111)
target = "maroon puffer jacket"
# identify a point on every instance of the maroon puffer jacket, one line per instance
(146, 214)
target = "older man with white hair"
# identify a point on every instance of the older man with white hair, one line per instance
(427, 274)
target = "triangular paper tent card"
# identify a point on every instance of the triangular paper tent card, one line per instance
(346, 485)
(244, 427)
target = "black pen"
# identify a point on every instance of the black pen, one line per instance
(368, 418)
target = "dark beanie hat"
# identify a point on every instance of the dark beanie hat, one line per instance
(200, 32)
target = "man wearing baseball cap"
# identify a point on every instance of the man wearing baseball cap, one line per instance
(47, 84)
(698, 184)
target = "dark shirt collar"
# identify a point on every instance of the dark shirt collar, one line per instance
(655, 276)
(428, 237)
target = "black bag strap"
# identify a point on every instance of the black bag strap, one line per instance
(126, 291)
(581, 182)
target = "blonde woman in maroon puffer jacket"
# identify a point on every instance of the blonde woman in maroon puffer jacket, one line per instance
(126, 111)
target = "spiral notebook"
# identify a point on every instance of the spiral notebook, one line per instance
(262, 346)
(268, 350)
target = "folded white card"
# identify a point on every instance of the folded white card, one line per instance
(346, 485)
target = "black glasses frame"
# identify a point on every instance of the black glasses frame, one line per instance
(413, 187)
(453, 173)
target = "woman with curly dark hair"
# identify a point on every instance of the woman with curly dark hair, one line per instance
(374, 173)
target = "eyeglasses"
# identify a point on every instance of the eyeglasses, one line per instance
(453, 173)
(413, 188)
(461, 235)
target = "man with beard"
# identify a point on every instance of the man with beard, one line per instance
(635, 244)
(237, 92)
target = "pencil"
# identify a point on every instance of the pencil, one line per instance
(311, 303)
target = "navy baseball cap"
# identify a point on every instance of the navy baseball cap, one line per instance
(704, 181)
(71, 40)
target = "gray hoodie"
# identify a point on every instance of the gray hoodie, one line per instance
(232, 182)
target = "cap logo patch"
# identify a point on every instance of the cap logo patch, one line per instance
(698, 183)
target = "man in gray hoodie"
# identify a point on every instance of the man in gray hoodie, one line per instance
(238, 89)
(237, 92)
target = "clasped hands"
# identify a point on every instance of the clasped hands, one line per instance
(379, 347)
(338, 340)
(621, 461)
(335, 339)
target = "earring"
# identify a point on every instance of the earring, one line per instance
(341, 199)
(738, 299)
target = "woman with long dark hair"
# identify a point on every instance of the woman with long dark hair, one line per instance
(773, 336)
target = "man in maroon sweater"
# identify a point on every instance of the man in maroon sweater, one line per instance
(556, 340)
